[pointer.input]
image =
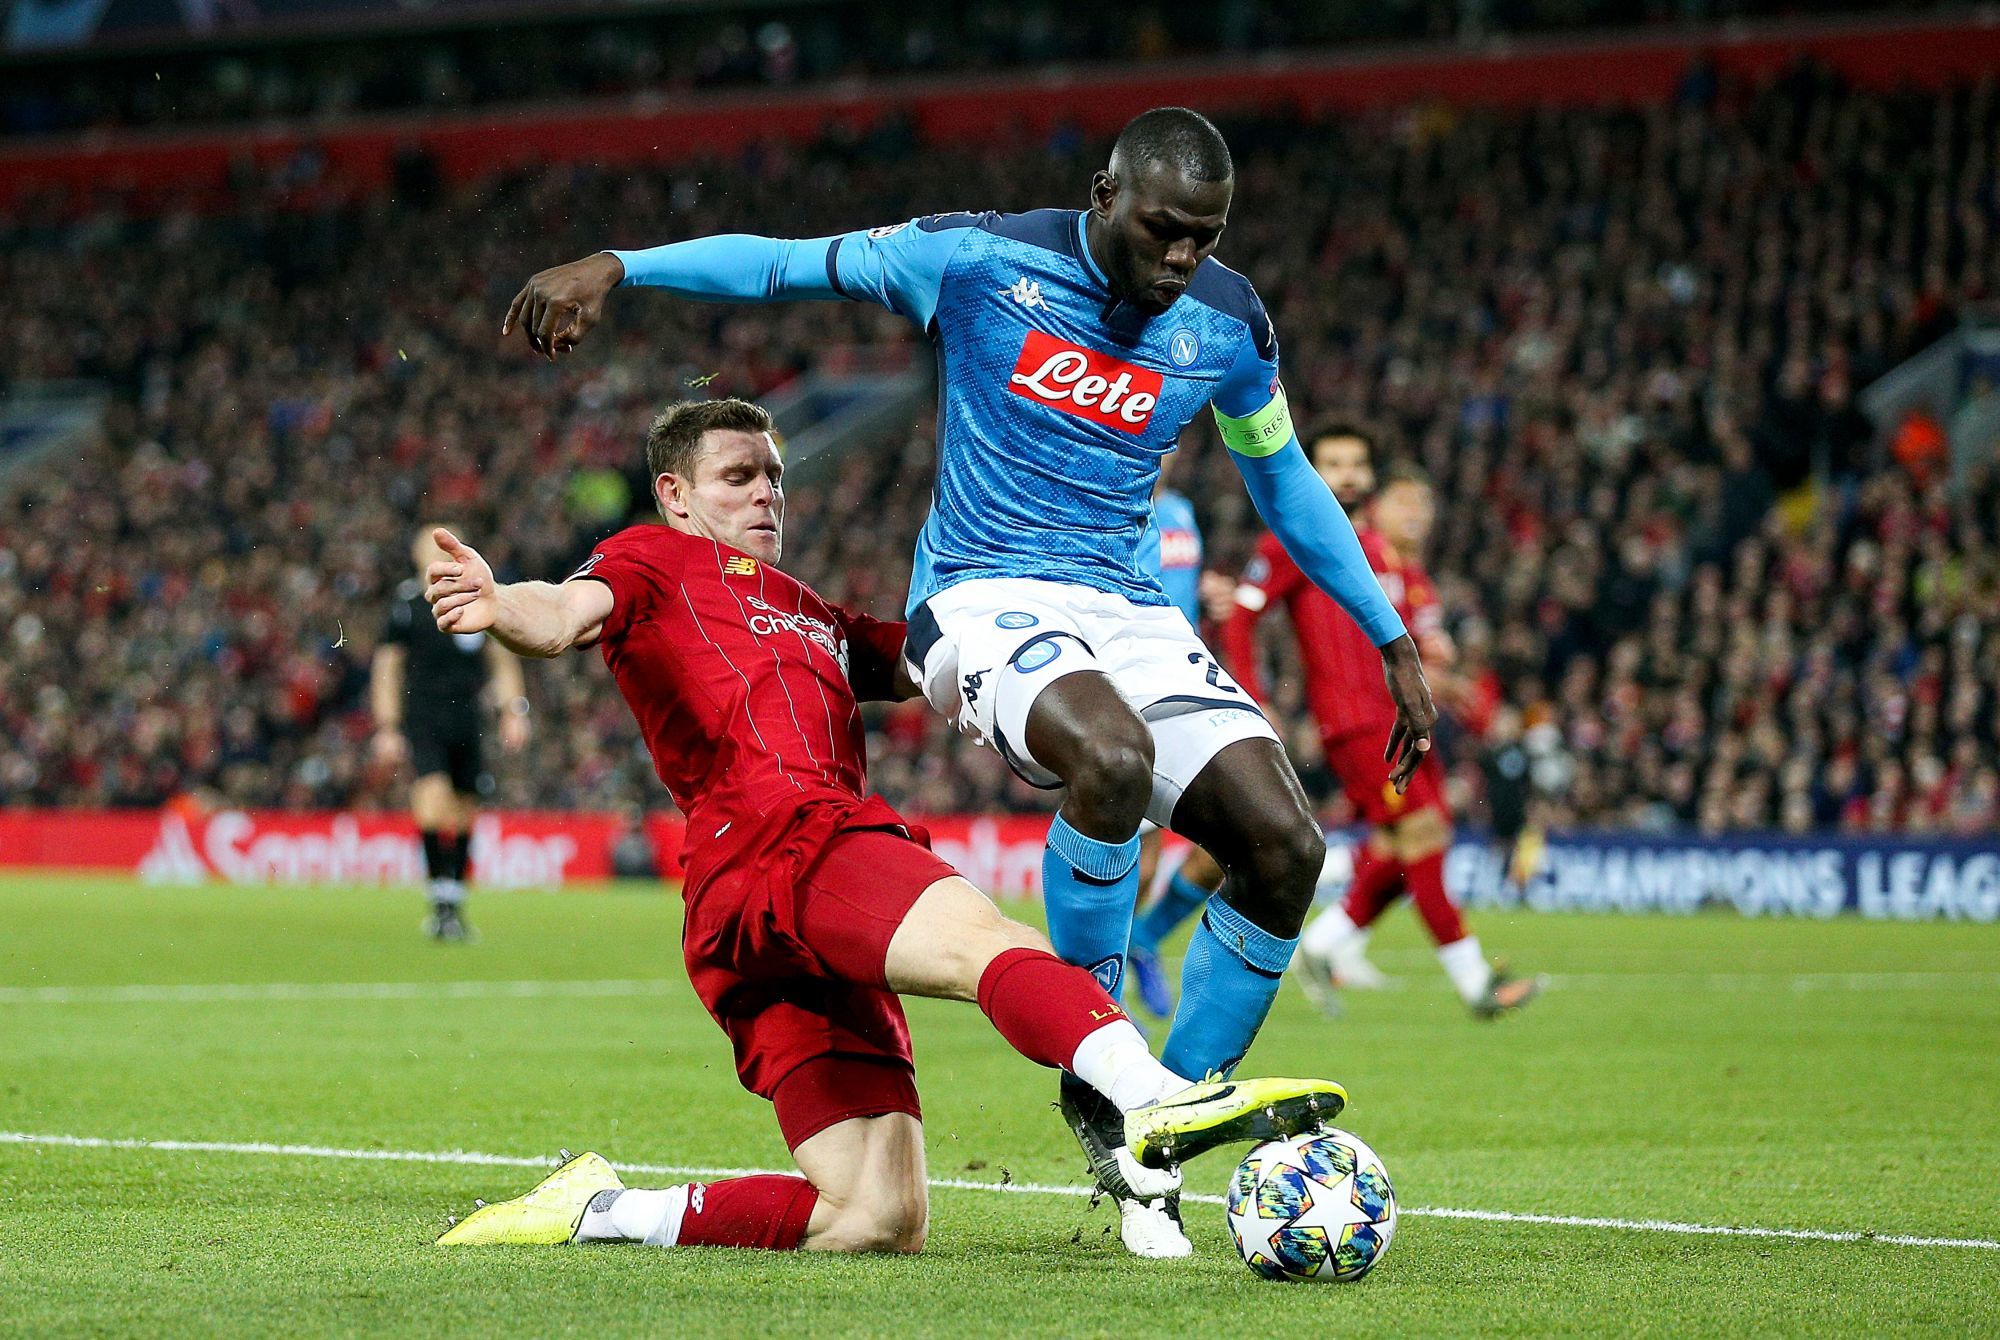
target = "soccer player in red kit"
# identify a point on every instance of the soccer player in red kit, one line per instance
(1410, 830)
(809, 904)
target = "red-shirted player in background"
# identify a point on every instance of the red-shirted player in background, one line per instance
(1411, 831)
(808, 903)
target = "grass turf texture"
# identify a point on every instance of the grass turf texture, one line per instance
(1681, 1070)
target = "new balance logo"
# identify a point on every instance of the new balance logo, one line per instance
(1085, 383)
(736, 565)
(1026, 292)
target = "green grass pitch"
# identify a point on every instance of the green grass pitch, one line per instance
(1839, 1076)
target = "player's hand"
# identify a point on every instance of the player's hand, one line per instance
(390, 747)
(558, 307)
(463, 594)
(1410, 737)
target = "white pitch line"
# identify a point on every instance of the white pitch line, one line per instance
(200, 993)
(471, 1158)
(214, 992)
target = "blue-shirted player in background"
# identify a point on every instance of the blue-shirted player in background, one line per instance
(1073, 347)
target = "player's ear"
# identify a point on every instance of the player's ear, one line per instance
(1103, 191)
(667, 495)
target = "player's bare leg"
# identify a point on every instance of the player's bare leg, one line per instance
(444, 817)
(1247, 809)
(861, 1185)
(861, 1188)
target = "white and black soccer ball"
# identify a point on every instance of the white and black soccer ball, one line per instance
(1315, 1207)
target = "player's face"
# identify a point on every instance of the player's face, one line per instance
(1159, 226)
(1404, 513)
(736, 496)
(1344, 464)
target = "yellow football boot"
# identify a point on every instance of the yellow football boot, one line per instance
(546, 1216)
(1229, 1111)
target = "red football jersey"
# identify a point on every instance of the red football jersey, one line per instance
(1344, 684)
(744, 682)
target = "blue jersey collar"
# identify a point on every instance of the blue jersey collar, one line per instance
(1083, 248)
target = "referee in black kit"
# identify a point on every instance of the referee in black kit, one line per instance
(425, 687)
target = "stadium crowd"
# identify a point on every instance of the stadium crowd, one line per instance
(1626, 345)
(452, 57)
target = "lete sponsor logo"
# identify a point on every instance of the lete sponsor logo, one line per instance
(1085, 383)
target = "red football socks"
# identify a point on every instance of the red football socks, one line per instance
(1043, 1006)
(1426, 883)
(1378, 882)
(769, 1211)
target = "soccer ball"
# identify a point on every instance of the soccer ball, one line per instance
(1314, 1207)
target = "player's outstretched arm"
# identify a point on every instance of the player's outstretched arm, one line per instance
(558, 307)
(1314, 529)
(527, 618)
(901, 267)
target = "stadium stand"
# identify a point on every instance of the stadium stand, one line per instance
(144, 63)
(1628, 344)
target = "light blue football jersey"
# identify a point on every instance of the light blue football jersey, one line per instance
(1172, 548)
(1056, 402)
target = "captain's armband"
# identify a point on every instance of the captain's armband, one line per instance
(1261, 433)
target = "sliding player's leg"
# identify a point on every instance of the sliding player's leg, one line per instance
(860, 1188)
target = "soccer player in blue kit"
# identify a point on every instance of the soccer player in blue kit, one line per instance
(1073, 347)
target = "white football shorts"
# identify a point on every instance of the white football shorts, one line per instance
(983, 650)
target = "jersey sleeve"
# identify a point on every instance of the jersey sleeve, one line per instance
(874, 647)
(901, 266)
(635, 571)
(1294, 501)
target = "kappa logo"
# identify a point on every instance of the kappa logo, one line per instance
(1026, 292)
(1085, 383)
(736, 565)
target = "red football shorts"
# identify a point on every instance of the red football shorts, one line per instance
(1356, 759)
(795, 977)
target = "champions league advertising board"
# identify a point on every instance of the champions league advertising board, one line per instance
(1881, 878)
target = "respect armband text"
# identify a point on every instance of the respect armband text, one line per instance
(1261, 433)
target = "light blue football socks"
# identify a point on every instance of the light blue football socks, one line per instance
(1231, 977)
(1088, 889)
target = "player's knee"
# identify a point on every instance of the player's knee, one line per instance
(1285, 863)
(1115, 767)
(894, 1220)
